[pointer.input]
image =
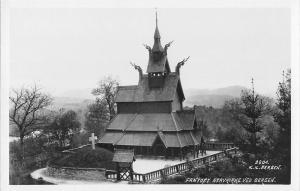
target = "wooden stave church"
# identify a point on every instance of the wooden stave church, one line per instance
(150, 117)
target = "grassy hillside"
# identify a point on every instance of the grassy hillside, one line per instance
(87, 158)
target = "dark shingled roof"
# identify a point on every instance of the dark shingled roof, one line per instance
(142, 92)
(121, 121)
(175, 121)
(111, 137)
(140, 139)
(185, 119)
(122, 155)
(170, 139)
(152, 122)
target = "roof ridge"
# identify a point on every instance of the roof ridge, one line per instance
(135, 115)
(180, 121)
(124, 132)
(185, 137)
(162, 137)
(174, 121)
(194, 139)
(179, 139)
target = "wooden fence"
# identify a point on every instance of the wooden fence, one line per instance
(213, 146)
(176, 169)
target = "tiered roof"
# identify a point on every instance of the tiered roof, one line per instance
(143, 93)
(170, 139)
(174, 129)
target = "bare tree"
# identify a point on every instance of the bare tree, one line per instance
(106, 90)
(63, 127)
(25, 112)
(96, 118)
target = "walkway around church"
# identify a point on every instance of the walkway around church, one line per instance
(155, 176)
(150, 177)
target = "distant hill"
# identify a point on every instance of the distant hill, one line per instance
(212, 97)
(79, 105)
(80, 98)
(74, 103)
(77, 93)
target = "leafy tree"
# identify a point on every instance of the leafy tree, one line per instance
(62, 128)
(97, 117)
(26, 109)
(106, 91)
(203, 128)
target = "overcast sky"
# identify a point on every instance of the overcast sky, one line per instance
(65, 49)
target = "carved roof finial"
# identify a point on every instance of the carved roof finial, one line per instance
(138, 68)
(181, 63)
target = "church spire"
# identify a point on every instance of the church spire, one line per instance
(156, 33)
(157, 45)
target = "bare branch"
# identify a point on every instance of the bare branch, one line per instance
(26, 105)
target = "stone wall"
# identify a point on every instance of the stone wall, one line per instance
(76, 173)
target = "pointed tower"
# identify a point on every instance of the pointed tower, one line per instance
(157, 48)
(158, 65)
(150, 117)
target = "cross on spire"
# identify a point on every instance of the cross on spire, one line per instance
(92, 139)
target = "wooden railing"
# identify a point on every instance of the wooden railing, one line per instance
(175, 169)
(138, 177)
(111, 174)
(218, 146)
(182, 167)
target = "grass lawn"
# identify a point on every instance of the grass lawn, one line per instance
(86, 158)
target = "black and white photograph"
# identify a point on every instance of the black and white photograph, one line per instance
(133, 96)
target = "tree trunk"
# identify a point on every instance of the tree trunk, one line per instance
(22, 146)
(254, 142)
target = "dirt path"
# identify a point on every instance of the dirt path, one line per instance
(40, 173)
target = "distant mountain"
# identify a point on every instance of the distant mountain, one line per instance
(74, 103)
(234, 91)
(80, 98)
(78, 93)
(212, 97)
(79, 105)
